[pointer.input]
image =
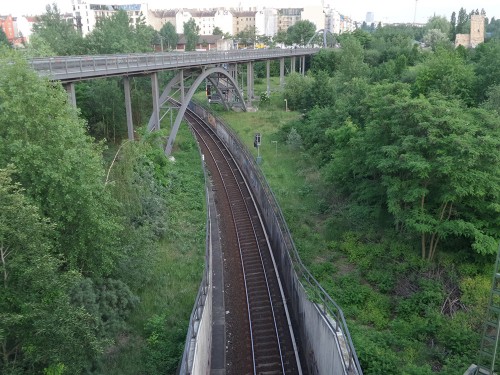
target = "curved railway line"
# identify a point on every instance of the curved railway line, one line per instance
(259, 338)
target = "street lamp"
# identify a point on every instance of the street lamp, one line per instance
(276, 147)
(161, 41)
(286, 105)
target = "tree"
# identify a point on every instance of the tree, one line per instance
(39, 327)
(248, 36)
(115, 35)
(3, 39)
(429, 161)
(325, 60)
(217, 31)
(39, 47)
(453, 26)
(439, 23)
(280, 37)
(487, 68)
(301, 32)
(169, 35)
(59, 166)
(493, 99)
(462, 22)
(61, 36)
(436, 38)
(192, 34)
(102, 104)
(351, 58)
(446, 72)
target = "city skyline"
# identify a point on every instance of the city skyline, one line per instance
(387, 11)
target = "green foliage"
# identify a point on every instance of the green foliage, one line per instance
(165, 344)
(326, 60)
(300, 32)
(445, 72)
(39, 47)
(487, 68)
(59, 35)
(4, 42)
(109, 301)
(35, 295)
(191, 33)
(403, 155)
(438, 23)
(294, 140)
(264, 99)
(351, 64)
(436, 38)
(297, 91)
(115, 35)
(102, 104)
(170, 37)
(463, 22)
(59, 166)
(493, 99)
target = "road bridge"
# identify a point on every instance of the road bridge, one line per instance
(218, 67)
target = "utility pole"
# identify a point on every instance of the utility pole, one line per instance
(415, 13)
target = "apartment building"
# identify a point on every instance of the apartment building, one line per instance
(223, 19)
(158, 18)
(243, 20)
(86, 15)
(288, 17)
(7, 25)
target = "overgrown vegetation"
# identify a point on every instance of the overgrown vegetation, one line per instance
(386, 170)
(100, 263)
(391, 201)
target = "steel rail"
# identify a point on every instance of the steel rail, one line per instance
(241, 195)
(260, 254)
(239, 246)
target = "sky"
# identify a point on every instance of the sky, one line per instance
(387, 11)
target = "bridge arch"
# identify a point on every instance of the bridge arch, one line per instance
(182, 110)
(324, 32)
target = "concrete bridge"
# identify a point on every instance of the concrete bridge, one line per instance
(219, 68)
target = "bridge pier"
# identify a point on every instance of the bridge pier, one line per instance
(282, 72)
(128, 107)
(268, 77)
(155, 94)
(70, 89)
(250, 93)
(292, 64)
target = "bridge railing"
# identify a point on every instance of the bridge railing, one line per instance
(289, 261)
(81, 67)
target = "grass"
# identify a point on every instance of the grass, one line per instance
(166, 302)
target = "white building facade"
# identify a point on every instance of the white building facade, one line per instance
(314, 14)
(223, 19)
(266, 22)
(85, 15)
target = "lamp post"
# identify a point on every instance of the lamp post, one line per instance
(161, 41)
(276, 147)
(286, 105)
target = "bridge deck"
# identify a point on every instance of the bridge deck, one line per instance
(76, 68)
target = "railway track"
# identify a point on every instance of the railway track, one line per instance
(259, 339)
